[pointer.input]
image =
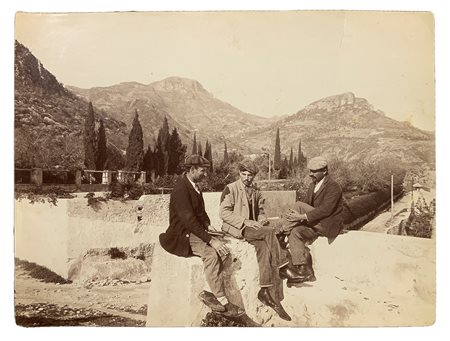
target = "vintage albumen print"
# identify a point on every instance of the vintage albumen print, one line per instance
(272, 169)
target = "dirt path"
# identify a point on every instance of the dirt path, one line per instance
(43, 304)
(382, 223)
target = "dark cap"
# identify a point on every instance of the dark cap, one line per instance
(248, 165)
(196, 160)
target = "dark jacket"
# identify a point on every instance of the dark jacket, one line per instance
(186, 215)
(328, 207)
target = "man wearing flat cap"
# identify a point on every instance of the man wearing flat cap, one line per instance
(187, 234)
(321, 215)
(242, 212)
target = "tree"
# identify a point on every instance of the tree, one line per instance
(177, 153)
(194, 145)
(301, 159)
(208, 155)
(277, 155)
(116, 159)
(102, 151)
(89, 139)
(225, 154)
(291, 160)
(135, 149)
(163, 148)
(199, 148)
(283, 169)
(148, 160)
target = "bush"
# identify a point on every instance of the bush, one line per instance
(128, 190)
(420, 221)
(42, 194)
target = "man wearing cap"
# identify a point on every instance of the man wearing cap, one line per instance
(321, 215)
(242, 212)
(187, 234)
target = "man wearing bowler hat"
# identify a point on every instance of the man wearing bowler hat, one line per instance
(321, 215)
(242, 212)
(187, 234)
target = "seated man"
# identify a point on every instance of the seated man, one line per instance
(243, 217)
(321, 215)
(187, 234)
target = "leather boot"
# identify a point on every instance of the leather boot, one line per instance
(291, 274)
(306, 272)
(265, 297)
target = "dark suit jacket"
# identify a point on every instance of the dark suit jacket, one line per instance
(186, 215)
(328, 207)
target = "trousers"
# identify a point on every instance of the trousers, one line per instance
(212, 264)
(268, 252)
(298, 239)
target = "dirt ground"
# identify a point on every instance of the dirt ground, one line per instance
(43, 299)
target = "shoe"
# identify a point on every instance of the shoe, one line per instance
(291, 274)
(306, 272)
(266, 299)
(211, 301)
(232, 310)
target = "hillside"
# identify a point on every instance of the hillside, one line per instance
(49, 118)
(349, 128)
(185, 103)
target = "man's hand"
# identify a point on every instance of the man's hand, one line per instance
(253, 224)
(219, 246)
(263, 221)
(294, 216)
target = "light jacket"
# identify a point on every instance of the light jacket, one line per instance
(234, 208)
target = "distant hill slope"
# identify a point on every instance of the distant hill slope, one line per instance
(349, 128)
(49, 118)
(185, 103)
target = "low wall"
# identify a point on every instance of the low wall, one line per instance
(55, 236)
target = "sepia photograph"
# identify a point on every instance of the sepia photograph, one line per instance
(225, 169)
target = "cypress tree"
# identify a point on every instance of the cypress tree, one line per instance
(102, 151)
(177, 153)
(135, 149)
(225, 154)
(89, 139)
(163, 147)
(199, 148)
(194, 145)
(148, 160)
(301, 160)
(277, 154)
(208, 155)
(291, 160)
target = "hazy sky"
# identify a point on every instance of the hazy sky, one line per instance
(266, 63)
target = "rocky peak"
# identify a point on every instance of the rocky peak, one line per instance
(179, 84)
(29, 72)
(333, 102)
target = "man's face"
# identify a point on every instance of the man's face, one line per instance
(246, 177)
(317, 175)
(198, 173)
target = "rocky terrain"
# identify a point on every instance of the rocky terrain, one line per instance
(42, 298)
(349, 128)
(187, 105)
(49, 120)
